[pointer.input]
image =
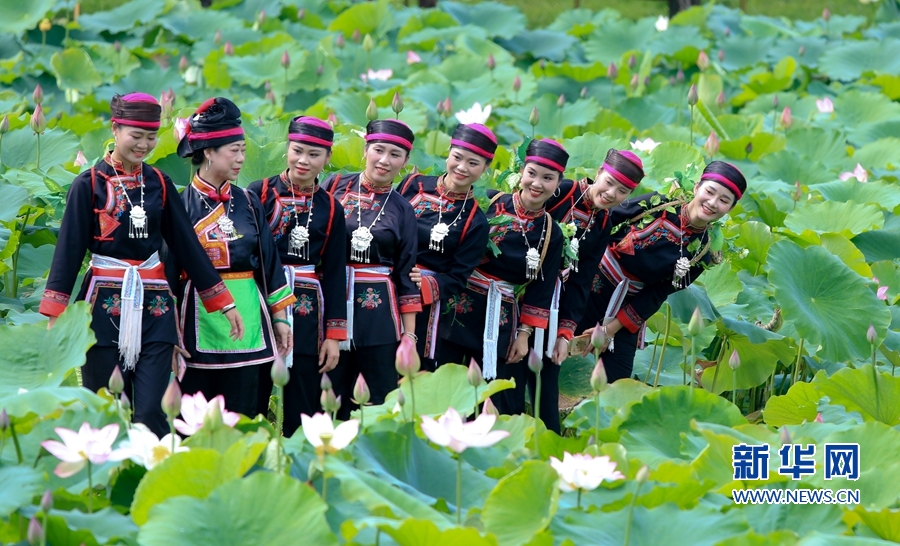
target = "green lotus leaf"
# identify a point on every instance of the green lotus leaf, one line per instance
(671, 157)
(768, 518)
(826, 146)
(737, 126)
(760, 145)
(415, 532)
(888, 274)
(112, 64)
(22, 16)
(261, 161)
(496, 18)
(855, 107)
(431, 20)
(347, 153)
(880, 244)
(721, 283)
(756, 237)
(553, 119)
(841, 247)
(790, 167)
(866, 133)
(831, 217)
(588, 151)
(744, 51)
(884, 523)
(18, 484)
(215, 71)
(612, 39)
(797, 406)
(851, 59)
(125, 16)
(75, 70)
(857, 390)
(586, 72)
(546, 44)
(683, 43)
(828, 303)
(367, 18)
(264, 508)
(255, 70)
(101, 527)
(882, 153)
(813, 48)
(192, 24)
(890, 85)
(759, 352)
(522, 504)
(644, 114)
(11, 200)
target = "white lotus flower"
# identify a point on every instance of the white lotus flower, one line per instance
(662, 23)
(381, 75)
(645, 145)
(450, 430)
(88, 444)
(859, 173)
(322, 434)
(475, 114)
(825, 105)
(584, 472)
(146, 449)
(194, 409)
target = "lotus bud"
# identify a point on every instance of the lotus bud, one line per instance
(401, 398)
(693, 96)
(356, 36)
(818, 418)
(361, 394)
(734, 361)
(372, 110)
(785, 436)
(598, 337)
(632, 61)
(270, 96)
(340, 42)
(749, 148)
(80, 159)
(474, 376)
(171, 400)
(35, 532)
(397, 103)
(517, 84)
(279, 372)
(368, 43)
(826, 14)
(4, 420)
(125, 402)
(448, 107)
(45, 25)
(721, 55)
(301, 13)
(407, 361)
(323, 401)
(488, 408)
(598, 376)
(229, 49)
(672, 81)
(38, 123)
(218, 38)
(720, 99)
(642, 474)
(679, 76)
(261, 18)
(491, 62)
(165, 104)
(332, 119)
(695, 326)
(330, 403)
(712, 144)
(798, 191)
(320, 70)
(285, 60)
(542, 64)
(534, 118)
(47, 501)
(535, 364)
(774, 101)
(38, 94)
(561, 101)
(325, 382)
(337, 403)
(702, 60)
(267, 85)
(213, 419)
(117, 46)
(612, 72)
(786, 119)
(727, 32)
(584, 92)
(871, 335)
(4, 125)
(116, 381)
(634, 82)
(802, 51)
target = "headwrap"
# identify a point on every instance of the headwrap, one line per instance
(476, 138)
(311, 130)
(215, 123)
(136, 110)
(623, 178)
(547, 153)
(391, 131)
(727, 175)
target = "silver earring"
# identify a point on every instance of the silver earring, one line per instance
(208, 163)
(556, 193)
(284, 155)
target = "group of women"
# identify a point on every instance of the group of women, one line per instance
(332, 274)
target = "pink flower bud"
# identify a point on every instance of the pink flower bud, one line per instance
(183, 64)
(679, 76)
(261, 18)
(721, 55)
(229, 49)
(584, 92)
(598, 376)
(356, 37)
(117, 45)
(412, 57)
(488, 408)
(612, 72)
(871, 335)
(720, 99)
(561, 101)
(672, 81)
(695, 326)
(80, 159)
(407, 359)
(372, 110)
(734, 361)
(268, 85)
(818, 418)
(448, 107)
(598, 338)
(285, 59)
(320, 70)
(798, 191)
(126, 403)
(535, 364)
(35, 532)
(826, 14)
(491, 63)
(47, 500)
(785, 436)
(535, 117)
(301, 13)
(116, 382)
(786, 119)
(712, 144)
(642, 474)
(517, 84)
(475, 375)
(401, 398)
(218, 38)
(774, 101)
(4, 420)
(325, 382)
(802, 51)
(693, 96)
(542, 64)
(397, 103)
(634, 82)
(361, 394)
(632, 61)
(280, 374)
(38, 123)
(340, 42)
(702, 60)
(727, 32)
(38, 94)
(332, 119)
(171, 400)
(270, 96)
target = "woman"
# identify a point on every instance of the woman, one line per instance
(452, 228)
(656, 251)
(510, 292)
(230, 225)
(122, 210)
(309, 231)
(382, 300)
(583, 206)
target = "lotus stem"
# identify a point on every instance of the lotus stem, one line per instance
(662, 353)
(795, 372)
(172, 432)
(459, 489)
(612, 89)
(44, 534)
(596, 422)
(652, 359)
(38, 151)
(537, 414)
(734, 387)
(692, 126)
(875, 378)
(476, 400)
(279, 424)
(90, 488)
(15, 437)
(324, 480)
(412, 395)
(631, 513)
(15, 260)
(719, 362)
(362, 421)
(578, 504)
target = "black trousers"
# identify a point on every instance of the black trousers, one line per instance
(509, 401)
(239, 386)
(376, 364)
(144, 385)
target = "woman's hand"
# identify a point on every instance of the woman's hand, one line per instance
(176, 351)
(561, 351)
(51, 321)
(518, 349)
(237, 324)
(284, 339)
(329, 355)
(415, 275)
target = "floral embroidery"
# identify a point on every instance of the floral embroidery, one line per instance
(304, 305)
(113, 305)
(504, 316)
(597, 284)
(367, 204)
(659, 234)
(429, 205)
(498, 233)
(459, 304)
(284, 220)
(158, 306)
(370, 299)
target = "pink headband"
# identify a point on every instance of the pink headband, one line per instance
(724, 181)
(301, 137)
(139, 124)
(216, 134)
(309, 120)
(627, 182)
(549, 163)
(140, 97)
(630, 156)
(472, 147)
(390, 138)
(483, 130)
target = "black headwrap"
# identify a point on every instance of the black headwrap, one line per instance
(476, 138)
(311, 131)
(727, 175)
(547, 153)
(215, 123)
(136, 110)
(391, 131)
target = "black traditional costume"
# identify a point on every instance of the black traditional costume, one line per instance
(122, 218)
(310, 234)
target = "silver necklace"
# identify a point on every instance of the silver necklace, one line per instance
(225, 223)
(532, 256)
(440, 230)
(683, 264)
(575, 242)
(362, 237)
(137, 228)
(298, 240)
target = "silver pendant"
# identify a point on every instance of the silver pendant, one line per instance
(138, 223)
(532, 263)
(574, 244)
(682, 266)
(360, 241)
(226, 226)
(297, 243)
(438, 233)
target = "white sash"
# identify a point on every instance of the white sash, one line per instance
(351, 281)
(496, 290)
(291, 272)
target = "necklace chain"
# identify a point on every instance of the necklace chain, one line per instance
(138, 215)
(440, 230)
(532, 256)
(225, 223)
(683, 264)
(298, 240)
(362, 237)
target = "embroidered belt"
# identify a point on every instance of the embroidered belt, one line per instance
(614, 272)
(308, 273)
(434, 318)
(496, 291)
(382, 273)
(132, 296)
(233, 275)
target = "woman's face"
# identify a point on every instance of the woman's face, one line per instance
(383, 162)
(464, 167)
(606, 192)
(224, 162)
(133, 145)
(711, 201)
(305, 162)
(538, 184)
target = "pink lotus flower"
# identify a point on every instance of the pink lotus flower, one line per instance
(450, 430)
(882, 292)
(859, 173)
(584, 472)
(412, 57)
(88, 444)
(194, 409)
(180, 128)
(324, 436)
(825, 105)
(380, 75)
(80, 159)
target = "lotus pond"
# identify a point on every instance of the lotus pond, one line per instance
(804, 302)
